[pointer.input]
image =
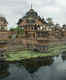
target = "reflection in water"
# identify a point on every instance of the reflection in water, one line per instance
(64, 55)
(33, 65)
(47, 68)
(4, 69)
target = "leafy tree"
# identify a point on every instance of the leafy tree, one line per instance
(18, 30)
(50, 22)
(14, 29)
(64, 25)
(57, 27)
(10, 36)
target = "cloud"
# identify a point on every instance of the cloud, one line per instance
(14, 9)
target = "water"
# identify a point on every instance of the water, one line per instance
(48, 68)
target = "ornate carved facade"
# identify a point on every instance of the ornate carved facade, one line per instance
(37, 33)
(35, 30)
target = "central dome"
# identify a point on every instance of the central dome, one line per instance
(31, 17)
(31, 13)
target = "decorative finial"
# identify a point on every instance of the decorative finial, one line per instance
(31, 4)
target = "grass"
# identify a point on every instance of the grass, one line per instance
(26, 54)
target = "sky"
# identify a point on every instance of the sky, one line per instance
(15, 9)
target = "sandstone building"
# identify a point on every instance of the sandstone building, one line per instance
(37, 34)
(35, 31)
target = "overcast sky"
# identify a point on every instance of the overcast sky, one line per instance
(14, 9)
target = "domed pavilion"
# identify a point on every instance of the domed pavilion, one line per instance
(3, 23)
(34, 29)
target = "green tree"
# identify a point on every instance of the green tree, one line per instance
(50, 22)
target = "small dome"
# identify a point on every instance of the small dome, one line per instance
(32, 13)
(3, 19)
(31, 17)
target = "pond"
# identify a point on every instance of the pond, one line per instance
(46, 68)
